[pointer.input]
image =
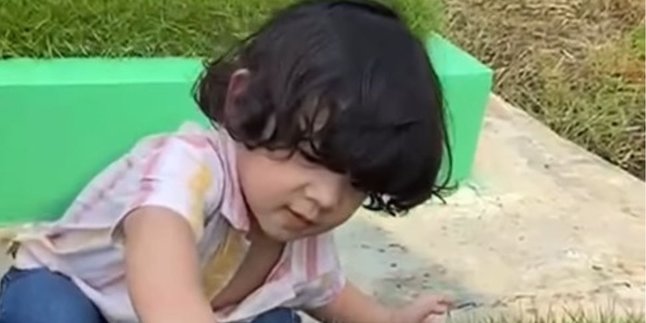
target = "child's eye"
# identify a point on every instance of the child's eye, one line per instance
(308, 161)
(307, 158)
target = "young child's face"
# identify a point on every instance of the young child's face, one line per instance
(291, 197)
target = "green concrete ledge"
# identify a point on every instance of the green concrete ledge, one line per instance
(62, 121)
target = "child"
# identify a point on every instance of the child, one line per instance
(330, 104)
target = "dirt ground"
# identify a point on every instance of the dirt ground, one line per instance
(544, 225)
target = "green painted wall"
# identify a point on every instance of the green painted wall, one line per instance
(467, 84)
(62, 121)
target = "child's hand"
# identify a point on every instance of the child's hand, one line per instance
(426, 309)
(352, 305)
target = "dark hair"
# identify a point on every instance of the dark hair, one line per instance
(346, 84)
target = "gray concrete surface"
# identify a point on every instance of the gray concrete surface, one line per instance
(543, 226)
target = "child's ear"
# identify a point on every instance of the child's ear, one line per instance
(238, 84)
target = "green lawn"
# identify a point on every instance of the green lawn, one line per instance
(144, 28)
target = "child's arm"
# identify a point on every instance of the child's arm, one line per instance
(162, 268)
(353, 306)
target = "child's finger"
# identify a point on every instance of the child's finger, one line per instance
(445, 300)
(435, 319)
(425, 306)
(440, 302)
(433, 305)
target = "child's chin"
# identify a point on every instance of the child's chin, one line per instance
(282, 235)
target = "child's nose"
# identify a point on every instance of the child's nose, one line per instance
(326, 191)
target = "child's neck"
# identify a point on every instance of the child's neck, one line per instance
(257, 235)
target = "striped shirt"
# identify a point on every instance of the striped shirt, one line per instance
(193, 173)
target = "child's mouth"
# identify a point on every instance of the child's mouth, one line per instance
(299, 220)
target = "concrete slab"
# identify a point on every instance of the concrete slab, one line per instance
(544, 225)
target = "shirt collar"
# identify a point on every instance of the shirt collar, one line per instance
(234, 207)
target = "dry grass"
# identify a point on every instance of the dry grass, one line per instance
(573, 317)
(578, 65)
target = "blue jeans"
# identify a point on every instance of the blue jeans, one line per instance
(43, 296)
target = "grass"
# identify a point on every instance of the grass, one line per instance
(576, 65)
(571, 318)
(140, 28)
(605, 110)
(556, 313)
(144, 28)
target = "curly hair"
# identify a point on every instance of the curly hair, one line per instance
(346, 84)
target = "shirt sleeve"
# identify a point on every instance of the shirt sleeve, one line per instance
(322, 290)
(175, 173)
